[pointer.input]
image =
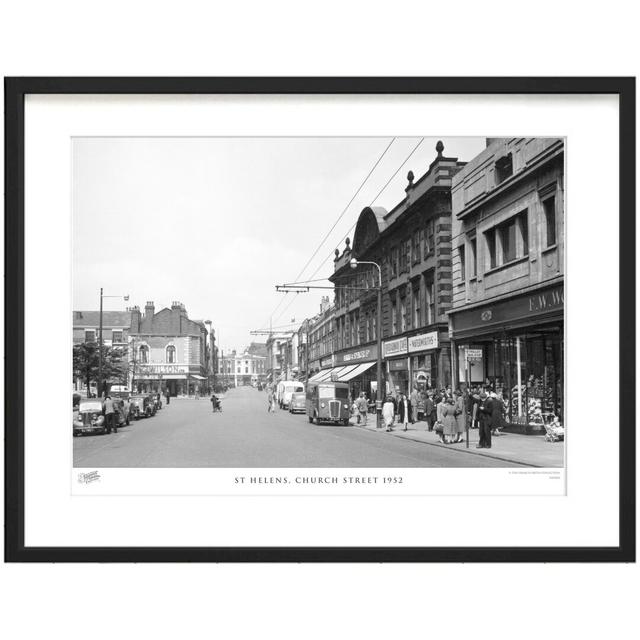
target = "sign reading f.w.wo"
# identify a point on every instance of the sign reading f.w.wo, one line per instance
(547, 300)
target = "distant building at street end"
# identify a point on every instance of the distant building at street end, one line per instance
(412, 245)
(169, 351)
(242, 369)
(507, 320)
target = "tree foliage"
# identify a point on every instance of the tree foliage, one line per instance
(114, 363)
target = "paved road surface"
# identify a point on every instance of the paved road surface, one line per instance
(188, 434)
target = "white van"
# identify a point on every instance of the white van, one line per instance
(284, 391)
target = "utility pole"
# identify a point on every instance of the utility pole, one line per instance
(99, 389)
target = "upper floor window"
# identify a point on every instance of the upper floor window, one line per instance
(143, 354)
(473, 258)
(508, 241)
(549, 206)
(430, 303)
(403, 314)
(461, 252)
(416, 241)
(89, 335)
(171, 354)
(394, 262)
(116, 336)
(429, 238)
(416, 307)
(394, 318)
(504, 168)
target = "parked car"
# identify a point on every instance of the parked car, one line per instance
(88, 417)
(298, 402)
(141, 407)
(152, 403)
(328, 402)
(122, 417)
(284, 391)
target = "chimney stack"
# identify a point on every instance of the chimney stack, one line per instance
(149, 309)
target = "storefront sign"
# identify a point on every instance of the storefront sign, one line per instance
(394, 347)
(423, 342)
(354, 356)
(327, 362)
(398, 365)
(474, 354)
(517, 310)
(143, 369)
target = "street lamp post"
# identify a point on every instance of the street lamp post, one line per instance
(379, 396)
(102, 296)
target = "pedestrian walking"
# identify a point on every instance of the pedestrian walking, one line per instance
(388, 413)
(404, 411)
(167, 394)
(109, 415)
(429, 411)
(439, 424)
(450, 427)
(271, 401)
(363, 408)
(460, 413)
(486, 410)
(414, 404)
(497, 410)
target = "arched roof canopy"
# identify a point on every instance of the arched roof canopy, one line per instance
(370, 225)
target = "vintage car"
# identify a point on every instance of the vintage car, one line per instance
(298, 402)
(122, 417)
(141, 407)
(88, 417)
(328, 402)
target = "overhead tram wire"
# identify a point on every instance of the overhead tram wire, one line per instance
(315, 253)
(388, 182)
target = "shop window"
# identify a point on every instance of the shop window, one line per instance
(416, 308)
(171, 354)
(143, 354)
(549, 206)
(463, 276)
(504, 168)
(89, 335)
(473, 258)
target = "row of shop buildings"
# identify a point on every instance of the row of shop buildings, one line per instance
(163, 350)
(472, 269)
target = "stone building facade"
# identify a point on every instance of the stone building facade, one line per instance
(412, 245)
(507, 319)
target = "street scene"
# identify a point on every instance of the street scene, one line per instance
(342, 303)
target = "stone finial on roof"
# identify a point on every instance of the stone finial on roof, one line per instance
(410, 178)
(348, 244)
(337, 252)
(439, 148)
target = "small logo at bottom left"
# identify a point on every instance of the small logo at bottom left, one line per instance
(90, 476)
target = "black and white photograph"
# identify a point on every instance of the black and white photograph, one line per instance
(318, 303)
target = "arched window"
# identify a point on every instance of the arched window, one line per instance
(144, 354)
(171, 354)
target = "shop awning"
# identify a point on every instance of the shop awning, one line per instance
(341, 374)
(345, 376)
(196, 376)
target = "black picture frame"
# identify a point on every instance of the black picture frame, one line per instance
(15, 91)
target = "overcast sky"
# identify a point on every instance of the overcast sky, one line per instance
(216, 223)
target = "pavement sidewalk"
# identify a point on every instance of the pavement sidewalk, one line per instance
(534, 451)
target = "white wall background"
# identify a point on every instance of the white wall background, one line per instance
(330, 38)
